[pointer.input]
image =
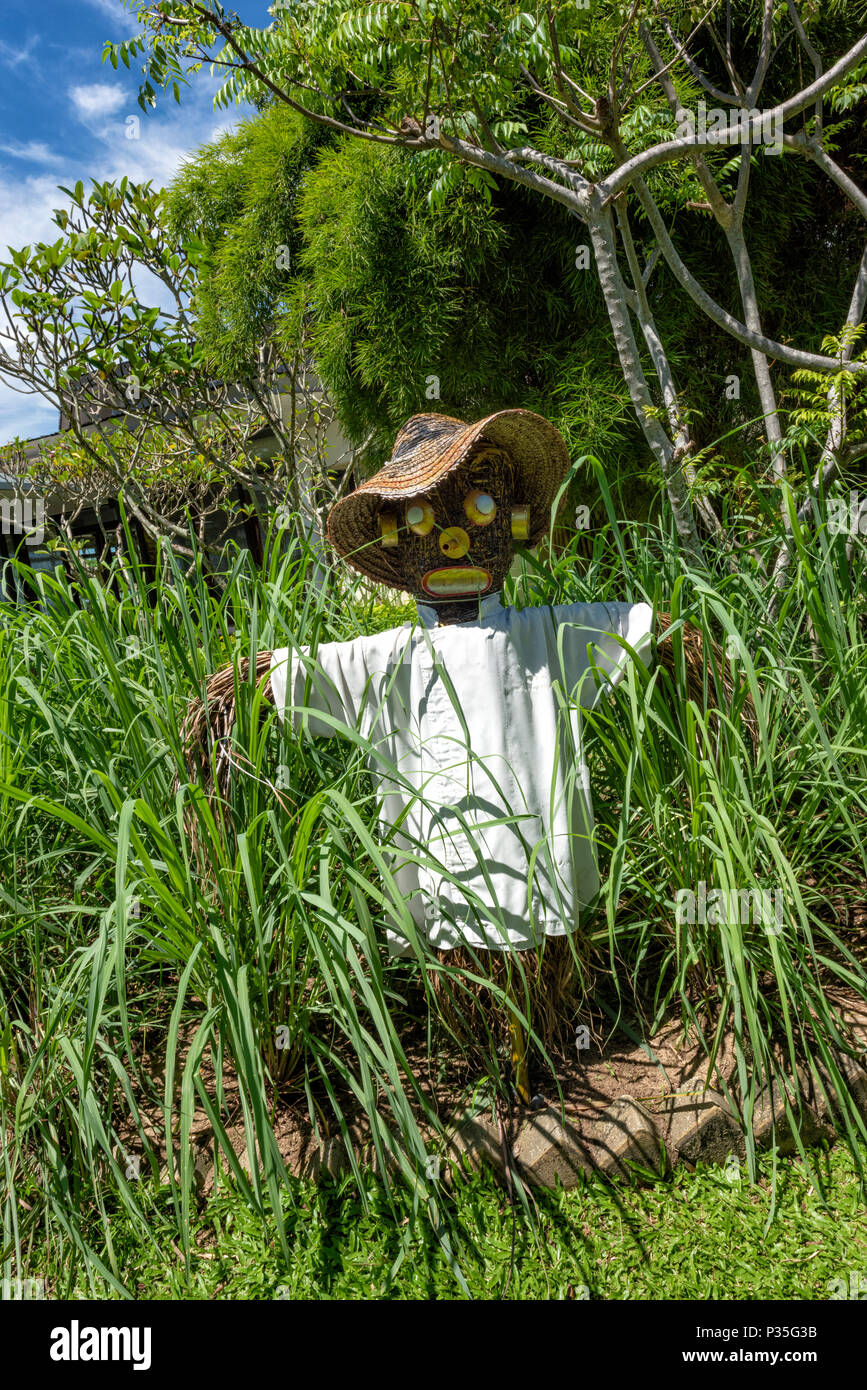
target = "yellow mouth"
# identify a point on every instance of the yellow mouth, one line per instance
(456, 581)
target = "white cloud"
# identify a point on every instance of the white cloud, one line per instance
(96, 99)
(24, 417)
(34, 152)
(11, 57)
(114, 10)
(167, 137)
(25, 209)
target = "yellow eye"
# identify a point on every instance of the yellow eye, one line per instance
(388, 529)
(420, 518)
(520, 523)
(480, 507)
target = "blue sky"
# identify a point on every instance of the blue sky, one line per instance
(63, 118)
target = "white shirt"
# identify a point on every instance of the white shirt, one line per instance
(474, 734)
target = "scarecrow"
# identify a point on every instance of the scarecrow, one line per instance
(473, 714)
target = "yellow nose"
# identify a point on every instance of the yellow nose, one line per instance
(454, 542)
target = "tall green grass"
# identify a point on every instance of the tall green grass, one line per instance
(122, 945)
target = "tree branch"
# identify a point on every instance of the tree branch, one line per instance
(715, 312)
(811, 53)
(692, 67)
(677, 149)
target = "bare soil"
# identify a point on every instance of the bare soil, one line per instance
(585, 1083)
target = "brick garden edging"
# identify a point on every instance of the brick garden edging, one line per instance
(691, 1126)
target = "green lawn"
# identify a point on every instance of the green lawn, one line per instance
(694, 1235)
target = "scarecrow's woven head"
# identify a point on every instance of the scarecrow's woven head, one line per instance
(441, 518)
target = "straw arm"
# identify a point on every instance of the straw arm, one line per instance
(698, 662)
(208, 723)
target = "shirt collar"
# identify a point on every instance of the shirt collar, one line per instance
(490, 605)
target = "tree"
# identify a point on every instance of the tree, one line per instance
(469, 302)
(463, 307)
(147, 418)
(594, 109)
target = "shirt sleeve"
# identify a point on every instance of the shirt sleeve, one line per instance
(331, 682)
(603, 628)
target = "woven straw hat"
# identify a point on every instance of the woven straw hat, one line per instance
(426, 450)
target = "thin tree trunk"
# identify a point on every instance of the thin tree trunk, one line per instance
(829, 461)
(669, 459)
(730, 219)
(665, 376)
(752, 318)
